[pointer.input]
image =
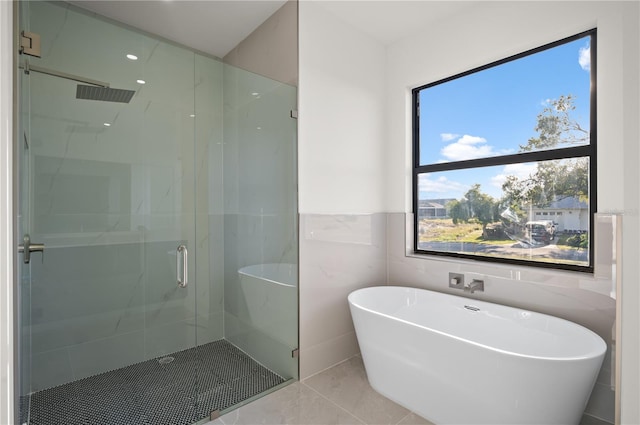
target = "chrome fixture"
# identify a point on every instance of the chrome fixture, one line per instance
(90, 89)
(27, 247)
(181, 272)
(456, 280)
(475, 285)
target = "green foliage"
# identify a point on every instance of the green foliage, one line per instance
(556, 126)
(578, 241)
(476, 206)
(553, 180)
(458, 211)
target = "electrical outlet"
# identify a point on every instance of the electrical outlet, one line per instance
(456, 280)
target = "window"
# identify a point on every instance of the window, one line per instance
(500, 149)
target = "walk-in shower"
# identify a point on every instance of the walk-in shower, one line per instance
(139, 200)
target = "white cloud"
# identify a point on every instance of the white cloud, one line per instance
(467, 147)
(441, 185)
(584, 58)
(521, 171)
(447, 137)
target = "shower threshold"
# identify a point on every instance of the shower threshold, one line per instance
(177, 389)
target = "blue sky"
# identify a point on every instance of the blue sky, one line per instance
(494, 111)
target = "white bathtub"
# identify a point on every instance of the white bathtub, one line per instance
(455, 360)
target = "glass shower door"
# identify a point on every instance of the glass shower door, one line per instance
(107, 186)
(23, 231)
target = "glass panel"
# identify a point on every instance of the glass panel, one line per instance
(531, 211)
(261, 271)
(209, 200)
(537, 102)
(24, 227)
(113, 198)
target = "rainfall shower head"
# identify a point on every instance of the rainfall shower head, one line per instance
(105, 94)
(97, 90)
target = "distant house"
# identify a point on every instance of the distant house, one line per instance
(570, 214)
(433, 208)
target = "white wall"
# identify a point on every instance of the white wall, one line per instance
(342, 116)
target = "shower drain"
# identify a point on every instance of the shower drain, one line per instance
(166, 360)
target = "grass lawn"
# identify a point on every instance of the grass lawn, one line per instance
(443, 230)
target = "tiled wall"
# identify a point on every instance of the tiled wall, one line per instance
(340, 253)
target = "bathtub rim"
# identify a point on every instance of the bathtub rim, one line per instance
(592, 355)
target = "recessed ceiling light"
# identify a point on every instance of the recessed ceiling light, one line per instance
(132, 57)
(141, 82)
(107, 124)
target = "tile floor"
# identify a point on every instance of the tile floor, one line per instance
(340, 395)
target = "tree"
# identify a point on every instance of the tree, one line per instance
(475, 205)
(553, 180)
(556, 126)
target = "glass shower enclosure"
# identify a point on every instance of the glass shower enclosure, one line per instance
(157, 213)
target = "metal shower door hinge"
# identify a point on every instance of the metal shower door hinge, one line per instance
(294, 114)
(30, 44)
(295, 353)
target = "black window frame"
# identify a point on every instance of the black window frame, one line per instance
(589, 151)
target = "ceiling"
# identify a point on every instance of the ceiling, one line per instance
(217, 26)
(214, 27)
(389, 21)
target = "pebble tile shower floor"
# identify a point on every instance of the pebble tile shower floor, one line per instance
(181, 391)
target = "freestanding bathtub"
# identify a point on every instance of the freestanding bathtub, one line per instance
(455, 360)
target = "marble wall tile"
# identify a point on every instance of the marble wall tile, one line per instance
(268, 349)
(169, 338)
(321, 356)
(49, 369)
(579, 297)
(338, 254)
(105, 354)
(83, 293)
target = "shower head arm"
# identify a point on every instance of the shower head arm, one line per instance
(28, 68)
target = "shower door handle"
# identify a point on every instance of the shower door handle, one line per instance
(27, 247)
(182, 272)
